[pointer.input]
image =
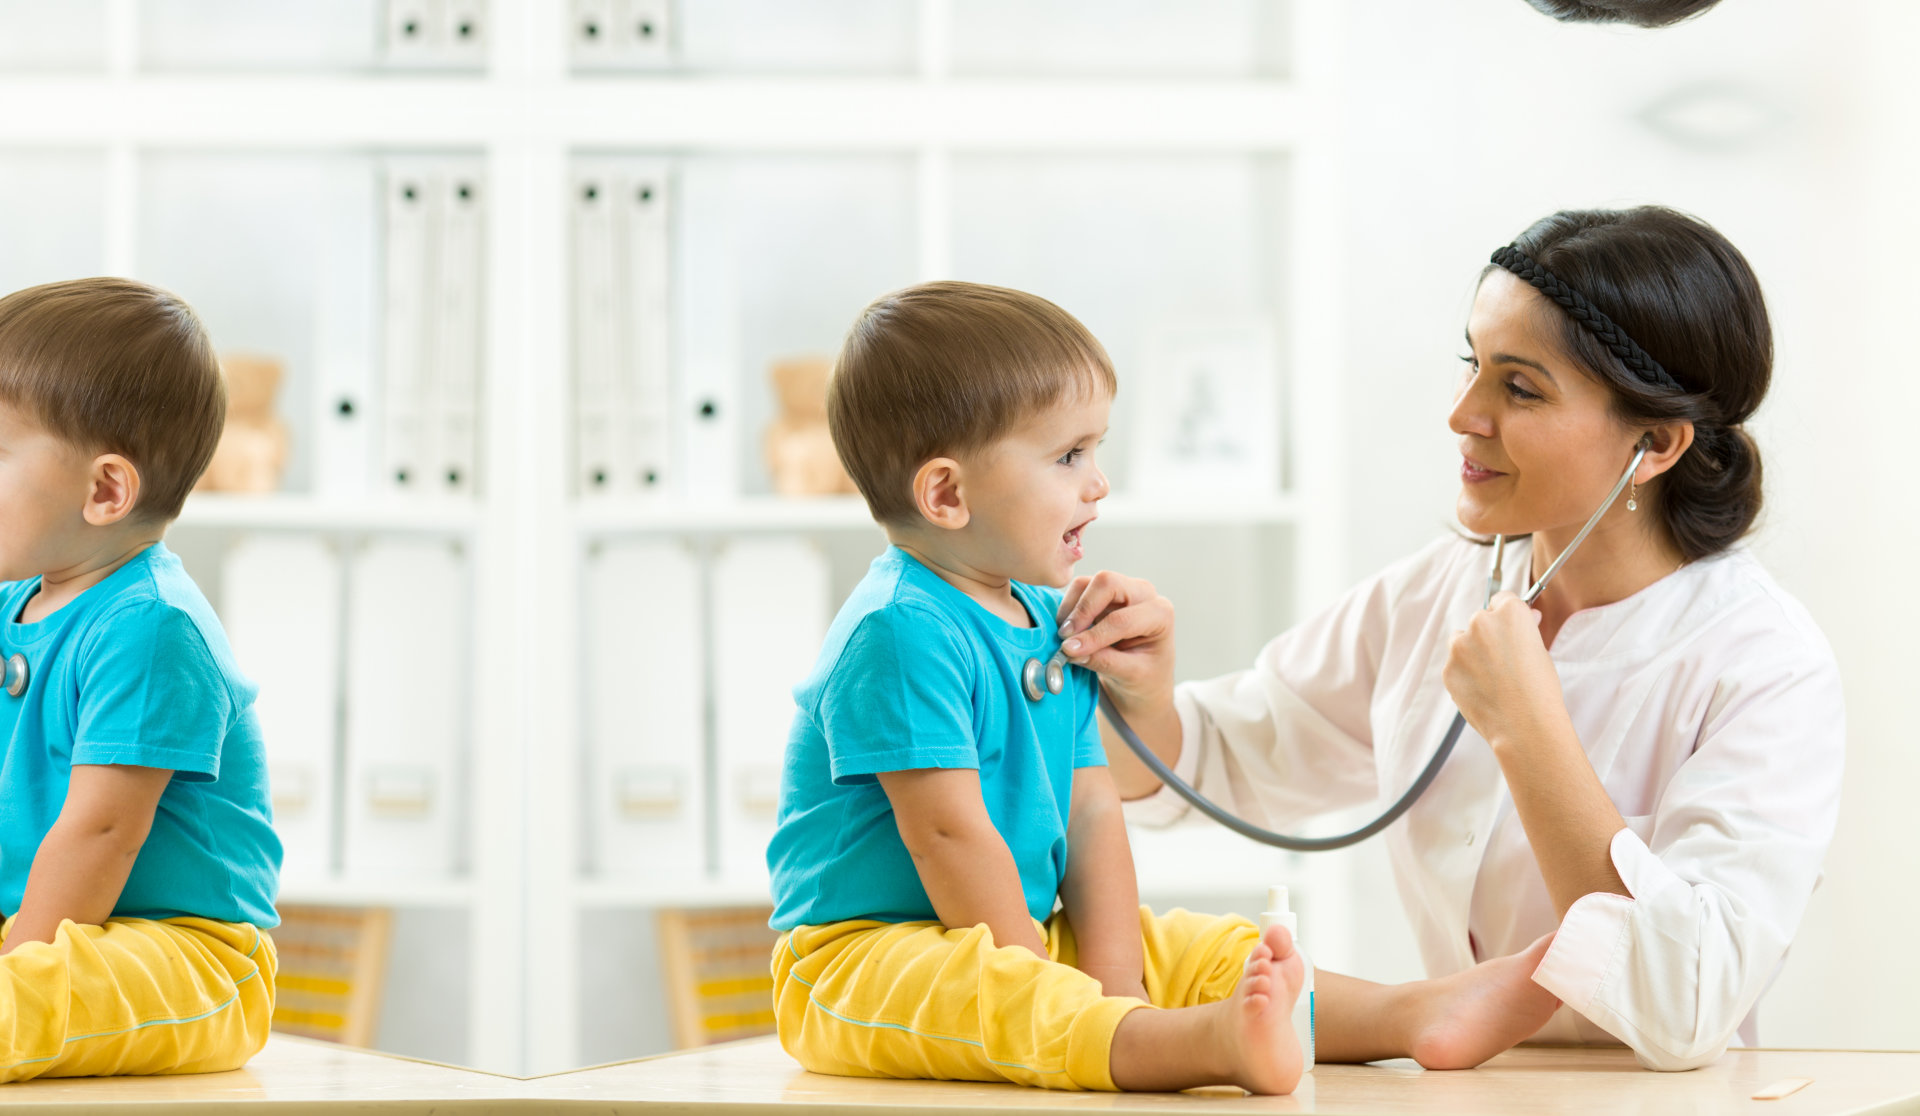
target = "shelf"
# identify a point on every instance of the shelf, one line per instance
(377, 893)
(304, 513)
(612, 895)
(849, 513)
(707, 113)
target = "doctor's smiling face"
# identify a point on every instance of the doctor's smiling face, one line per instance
(1540, 441)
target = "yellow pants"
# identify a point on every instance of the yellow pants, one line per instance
(916, 999)
(136, 996)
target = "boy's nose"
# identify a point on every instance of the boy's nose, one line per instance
(1100, 486)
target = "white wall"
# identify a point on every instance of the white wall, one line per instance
(1469, 120)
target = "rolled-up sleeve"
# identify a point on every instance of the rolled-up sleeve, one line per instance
(1717, 890)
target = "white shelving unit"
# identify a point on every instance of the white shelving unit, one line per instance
(924, 89)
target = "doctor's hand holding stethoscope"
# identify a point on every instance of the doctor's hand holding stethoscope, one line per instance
(1653, 768)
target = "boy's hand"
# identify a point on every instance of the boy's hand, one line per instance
(82, 864)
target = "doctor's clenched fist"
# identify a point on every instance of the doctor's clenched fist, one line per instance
(1501, 677)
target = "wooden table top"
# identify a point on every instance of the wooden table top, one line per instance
(294, 1075)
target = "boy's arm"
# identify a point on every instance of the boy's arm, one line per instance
(83, 862)
(1100, 893)
(963, 861)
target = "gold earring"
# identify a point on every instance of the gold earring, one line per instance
(1632, 494)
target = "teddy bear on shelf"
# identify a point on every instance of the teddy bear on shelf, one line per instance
(800, 454)
(253, 447)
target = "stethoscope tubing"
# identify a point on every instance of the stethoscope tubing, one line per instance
(1427, 774)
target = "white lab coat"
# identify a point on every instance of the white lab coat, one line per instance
(1710, 706)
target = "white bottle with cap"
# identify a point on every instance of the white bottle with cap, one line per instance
(1279, 913)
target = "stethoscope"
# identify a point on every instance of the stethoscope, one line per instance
(15, 678)
(1052, 677)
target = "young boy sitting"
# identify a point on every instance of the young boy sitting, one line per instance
(930, 811)
(138, 862)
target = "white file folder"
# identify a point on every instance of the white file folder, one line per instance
(280, 603)
(709, 322)
(434, 34)
(620, 34)
(411, 198)
(596, 331)
(407, 662)
(458, 283)
(645, 717)
(770, 600)
(622, 329)
(646, 192)
(346, 327)
(430, 398)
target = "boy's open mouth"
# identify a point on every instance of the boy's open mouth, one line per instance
(1072, 539)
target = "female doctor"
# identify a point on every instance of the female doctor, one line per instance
(1622, 844)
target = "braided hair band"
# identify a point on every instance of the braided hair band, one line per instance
(1637, 360)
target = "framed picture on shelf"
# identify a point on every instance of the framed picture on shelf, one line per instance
(1206, 410)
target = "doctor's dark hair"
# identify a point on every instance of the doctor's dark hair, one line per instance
(116, 366)
(944, 369)
(1640, 13)
(1688, 298)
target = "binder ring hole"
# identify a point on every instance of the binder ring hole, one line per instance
(646, 194)
(345, 407)
(590, 30)
(708, 409)
(599, 476)
(410, 28)
(646, 30)
(465, 30)
(590, 193)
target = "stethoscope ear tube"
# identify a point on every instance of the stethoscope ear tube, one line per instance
(1253, 832)
(1327, 844)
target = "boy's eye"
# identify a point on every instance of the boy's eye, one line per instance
(1071, 455)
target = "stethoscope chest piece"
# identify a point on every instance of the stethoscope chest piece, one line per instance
(16, 675)
(1040, 679)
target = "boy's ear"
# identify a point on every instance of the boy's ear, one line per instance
(937, 494)
(113, 488)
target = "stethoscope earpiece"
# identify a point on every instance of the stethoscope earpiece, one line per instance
(16, 675)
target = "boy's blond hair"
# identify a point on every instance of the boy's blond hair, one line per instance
(944, 369)
(117, 366)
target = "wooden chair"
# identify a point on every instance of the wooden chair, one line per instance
(333, 969)
(717, 966)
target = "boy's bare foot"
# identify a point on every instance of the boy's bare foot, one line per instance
(1256, 1030)
(1469, 1017)
(1245, 1040)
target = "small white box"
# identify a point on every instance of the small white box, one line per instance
(280, 602)
(770, 603)
(409, 604)
(646, 713)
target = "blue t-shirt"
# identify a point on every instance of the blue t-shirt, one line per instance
(916, 674)
(137, 671)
